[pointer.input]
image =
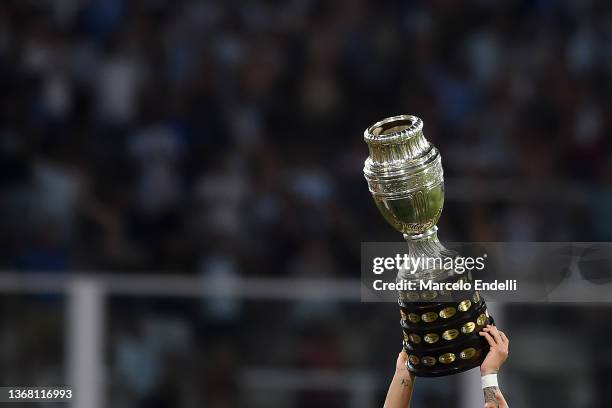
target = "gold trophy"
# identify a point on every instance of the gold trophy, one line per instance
(404, 175)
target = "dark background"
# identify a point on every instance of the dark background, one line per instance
(224, 139)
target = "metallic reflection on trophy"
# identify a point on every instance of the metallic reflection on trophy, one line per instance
(405, 177)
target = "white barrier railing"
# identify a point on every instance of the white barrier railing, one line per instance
(85, 330)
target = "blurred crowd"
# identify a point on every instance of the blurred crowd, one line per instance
(224, 138)
(186, 135)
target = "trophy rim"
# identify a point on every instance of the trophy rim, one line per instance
(415, 128)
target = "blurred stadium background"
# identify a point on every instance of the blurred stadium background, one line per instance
(183, 204)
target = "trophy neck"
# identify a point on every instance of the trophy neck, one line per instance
(424, 243)
(427, 245)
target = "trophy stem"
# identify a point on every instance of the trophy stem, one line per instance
(426, 245)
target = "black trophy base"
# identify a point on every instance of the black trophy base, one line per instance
(456, 367)
(441, 334)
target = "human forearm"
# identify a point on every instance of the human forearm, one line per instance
(490, 387)
(400, 390)
(494, 398)
(498, 353)
(489, 397)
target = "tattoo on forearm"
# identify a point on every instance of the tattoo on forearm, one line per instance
(405, 382)
(489, 395)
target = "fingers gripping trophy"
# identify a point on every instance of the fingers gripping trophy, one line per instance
(404, 175)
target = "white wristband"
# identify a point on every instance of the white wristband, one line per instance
(489, 380)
